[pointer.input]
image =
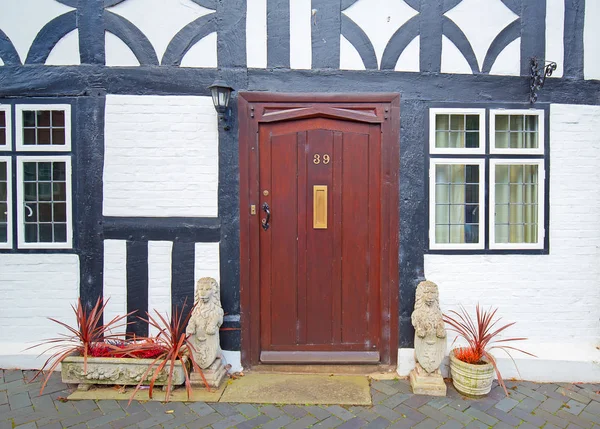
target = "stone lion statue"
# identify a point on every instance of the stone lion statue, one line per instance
(430, 333)
(205, 322)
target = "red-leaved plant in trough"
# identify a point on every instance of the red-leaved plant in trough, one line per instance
(481, 337)
(80, 340)
(172, 342)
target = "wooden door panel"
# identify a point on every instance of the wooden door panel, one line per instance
(312, 292)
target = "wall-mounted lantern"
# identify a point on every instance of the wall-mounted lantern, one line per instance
(538, 76)
(221, 94)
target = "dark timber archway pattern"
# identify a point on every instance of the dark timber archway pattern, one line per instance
(86, 88)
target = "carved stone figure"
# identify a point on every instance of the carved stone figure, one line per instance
(205, 322)
(430, 341)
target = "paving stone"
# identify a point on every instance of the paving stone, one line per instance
(528, 417)
(551, 418)
(180, 420)
(329, 422)
(201, 408)
(31, 425)
(506, 404)
(503, 425)
(28, 417)
(433, 413)
(412, 414)
(417, 401)
(51, 426)
(384, 388)
(505, 417)
(395, 400)
(318, 412)
(247, 410)
(573, 407)
(367, 415)
(427, 424)
(528, 404)
(107, 418)
(529, 384)
(477, 425)
(155, 419)
(302, 423)
(377, 396)
(481, 416)
(551, 405)
(531, 393)
(254, 422)
(590, 417)
(12, 376)
(340, 412)
(74, 420)
(386, 413)
(439, 403)
(205, 421)
(277, 423)
(131, 419)
(579, 421)
(572, 393)
(353, 423)
(294, 411)
(225, 409)
(378, 423)
(593, 408)
(452, 424)
(484, 404)
(526, 425)
(3, 398)
(465, 419)
(272, 411)
(460, 404)
(19, 400)
(590, 394)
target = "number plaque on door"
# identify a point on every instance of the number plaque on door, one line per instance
(320, 206)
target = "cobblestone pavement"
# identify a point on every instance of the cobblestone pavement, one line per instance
(551, 406)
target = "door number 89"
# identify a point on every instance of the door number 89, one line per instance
(317, 159)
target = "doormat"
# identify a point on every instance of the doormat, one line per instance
(299, 389)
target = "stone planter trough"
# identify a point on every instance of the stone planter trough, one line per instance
(121, 371)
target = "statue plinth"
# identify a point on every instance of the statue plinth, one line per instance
(424, 383)
(214, 375)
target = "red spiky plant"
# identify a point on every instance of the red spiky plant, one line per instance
(81, 339)
(481, 337)
(172, 342)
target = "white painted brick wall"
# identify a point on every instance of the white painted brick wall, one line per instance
(34, 287)
(161, 156)
(159, 278)
(115, 279)
(555, 298)
(207, 261)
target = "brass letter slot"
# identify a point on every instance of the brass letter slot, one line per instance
(320, 206)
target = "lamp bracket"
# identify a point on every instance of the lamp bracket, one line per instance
(538, 76)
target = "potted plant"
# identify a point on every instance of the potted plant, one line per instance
(93, 355)
(472, 366)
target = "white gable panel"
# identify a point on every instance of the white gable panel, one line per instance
(66, 51)
(555, 32)
(118, 53)
(349, 57)
(508, 61)
(453, 61)
(256, 33)
(203, 53)
(591, 40)
(410, 57)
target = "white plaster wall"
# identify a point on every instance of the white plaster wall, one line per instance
(159, 278)
(66, 51)
(300, 34)
(408, 60)
(591, 40)
(207, 261)
(161, 156)
(505, 63)
(379, 19)
(21, 20)
(256, 33)
(34, 287)
(481, 22)
(555, 298)
(555, 33)
(203, 53)
(349, 57)
(117, 53)
(453, 61)
(115, 280)
(160, 20)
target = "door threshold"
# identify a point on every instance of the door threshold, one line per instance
(376, 371)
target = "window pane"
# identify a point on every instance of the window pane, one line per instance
(442, 122)
(58, 136)
(457, 203)
(3, 171)
(28, 118)
(531, 122)
(516, 210)
(3, 189)
(2, 128)
(457, 139)
(2, 119)
(44, 127)
(3, 211)
(501, 123)
(442, 139)
(43, 136)
(29, 136)
(473, 122)
(516, 122)
(44, 207)
(3, 232)
(58, 118)
(457, 122)
(502, 139)
(472, 139)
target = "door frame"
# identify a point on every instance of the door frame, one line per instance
(262, 107)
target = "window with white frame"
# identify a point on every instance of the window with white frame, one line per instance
(512, 191)
(42, 155)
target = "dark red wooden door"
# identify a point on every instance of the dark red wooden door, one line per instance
(319, 257)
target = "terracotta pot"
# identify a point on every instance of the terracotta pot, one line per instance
(469, 379)
(121, 371)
